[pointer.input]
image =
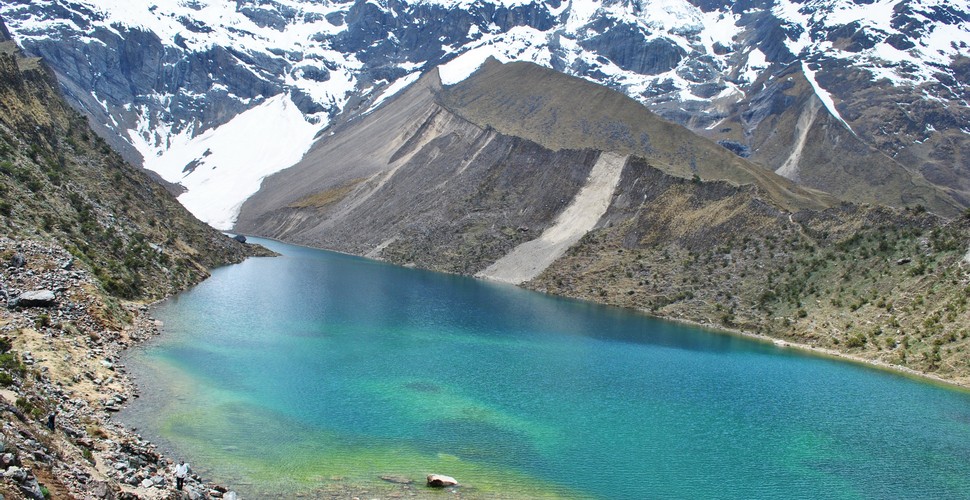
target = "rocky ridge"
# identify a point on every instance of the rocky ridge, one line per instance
(437, 179)
(861, 99)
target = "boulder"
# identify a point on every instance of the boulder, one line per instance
(100, 489)
(441, 481)
(15, 473)
(240, 238)
(18, 260)
(31, 489)
(35, 298)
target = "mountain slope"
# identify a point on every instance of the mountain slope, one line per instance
(477, 178)
(559, 111)
(60, 181)
(787, 125)
(489, 162)
(884, 79)
(413, 173)
(85, 240)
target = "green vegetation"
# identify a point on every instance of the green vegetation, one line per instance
(60, 181)
(877, 283)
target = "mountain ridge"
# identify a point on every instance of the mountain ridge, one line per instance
(887, 70)
(424, 180)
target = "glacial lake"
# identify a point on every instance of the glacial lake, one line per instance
(315, 371)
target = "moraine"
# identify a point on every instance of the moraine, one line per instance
(317, 372)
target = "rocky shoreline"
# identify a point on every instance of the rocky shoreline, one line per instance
(61, 356)
(61, 341)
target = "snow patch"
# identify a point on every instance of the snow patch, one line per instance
(757, 62)
(518, 44)
(393, 89)
(230, 161)
(823, 95)
(461, 67)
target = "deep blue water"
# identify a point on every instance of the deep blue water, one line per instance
(288, 374)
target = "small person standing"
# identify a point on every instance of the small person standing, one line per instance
(50, 419)
(181, 470)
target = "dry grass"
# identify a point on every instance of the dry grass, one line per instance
(328, 197)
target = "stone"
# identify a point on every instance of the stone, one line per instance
(35, 298)
(100, 489)
(147, 483)
(31, 489)
(18, 260)
(16, 473)
(240, 238)
(441, 481)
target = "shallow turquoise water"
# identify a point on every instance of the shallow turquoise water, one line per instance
(285, 374)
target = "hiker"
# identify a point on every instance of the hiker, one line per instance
(181, 470)
(50, 420)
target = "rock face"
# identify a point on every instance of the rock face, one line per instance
(794, 86)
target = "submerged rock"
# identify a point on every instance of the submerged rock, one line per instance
(397, 479)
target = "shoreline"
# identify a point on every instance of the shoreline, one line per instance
(68, 356)
(963, 386)
(144, 327)
(825, 353)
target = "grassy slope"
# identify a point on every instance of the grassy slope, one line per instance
(563, 112)
(61, 182)
(876, 283)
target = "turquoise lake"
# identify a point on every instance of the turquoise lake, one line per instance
(314, 370)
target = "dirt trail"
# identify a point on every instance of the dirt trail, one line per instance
(529, 259)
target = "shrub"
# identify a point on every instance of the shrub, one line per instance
(857, 340)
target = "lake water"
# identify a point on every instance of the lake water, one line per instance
(314, 371)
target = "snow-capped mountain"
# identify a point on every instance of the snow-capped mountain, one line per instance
(215, 95)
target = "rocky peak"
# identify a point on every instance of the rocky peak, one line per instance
(157, 78)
